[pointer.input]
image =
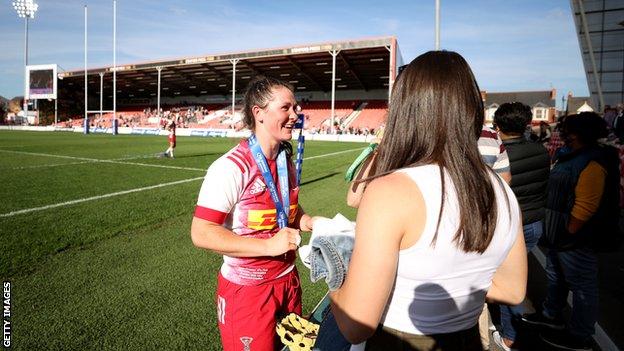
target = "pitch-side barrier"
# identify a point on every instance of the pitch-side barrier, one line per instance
(200, 132)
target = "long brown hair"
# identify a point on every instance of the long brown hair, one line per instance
(435, 116)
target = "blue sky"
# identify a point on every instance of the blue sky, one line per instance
(511, 45)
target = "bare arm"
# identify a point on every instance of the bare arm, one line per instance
(356, 190)
(213, 237)
(509, 281)
(381, 224)
(304, 221)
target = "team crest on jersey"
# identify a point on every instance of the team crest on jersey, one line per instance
(257, 187)
(246, 340)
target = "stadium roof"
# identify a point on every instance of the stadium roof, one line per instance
(602, 48)
(363, 64)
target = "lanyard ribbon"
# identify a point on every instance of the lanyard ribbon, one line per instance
(300, 146)
(358, 161)
(282, 206)
(298, 164)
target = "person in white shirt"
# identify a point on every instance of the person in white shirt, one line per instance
(438, 232)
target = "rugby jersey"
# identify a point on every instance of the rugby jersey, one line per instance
(234, 194)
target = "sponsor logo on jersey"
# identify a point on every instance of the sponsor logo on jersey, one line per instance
(267, 219)
(257, 187)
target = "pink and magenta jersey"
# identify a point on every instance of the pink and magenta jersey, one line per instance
(234, 194)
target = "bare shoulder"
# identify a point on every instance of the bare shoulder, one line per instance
(395, 190)
(395, 203)
(393, 182)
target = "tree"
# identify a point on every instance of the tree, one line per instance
(15, 104)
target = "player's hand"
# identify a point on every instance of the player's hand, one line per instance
(307, 222)
(283, 241)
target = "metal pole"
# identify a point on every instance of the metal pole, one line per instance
(334, 53)
(114, 59)
(591, 55)
(25, 65)
(234, 62)
(437, 24)
(391, 68)
(101, 91)
(158, 93)
(56, 111)
(86, 88)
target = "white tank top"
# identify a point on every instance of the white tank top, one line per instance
(441, 289)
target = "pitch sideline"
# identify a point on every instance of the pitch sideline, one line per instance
(72, 202)
(121, 160)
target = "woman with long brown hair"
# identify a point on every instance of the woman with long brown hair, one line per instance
(438, 232)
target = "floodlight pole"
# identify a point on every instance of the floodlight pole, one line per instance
(159, 68)
(25, 65)
(437, 25)
(86, 88)
(101, 91)
(391, 69)
(27, 10)
(114, 65)
(334, 53)
(233, 62)
(56, 111)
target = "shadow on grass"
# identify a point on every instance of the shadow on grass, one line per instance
(319, 178)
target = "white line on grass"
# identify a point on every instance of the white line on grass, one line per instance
(602, 339)
(52, 165)
(120, 161)
(334, 153)
(72, 202)
(105, 161)
(136, 157)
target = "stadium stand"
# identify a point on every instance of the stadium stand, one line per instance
(318, 113)
(371, 116)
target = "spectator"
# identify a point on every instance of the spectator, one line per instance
(609, 116)
(618, 123)
(581, 211)
(432, 241)
(545, 132)
(555, 141)
(529, 165)
(493, 152)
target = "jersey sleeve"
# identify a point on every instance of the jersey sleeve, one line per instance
(220, 191)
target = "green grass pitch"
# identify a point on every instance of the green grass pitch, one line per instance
(120, 272)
